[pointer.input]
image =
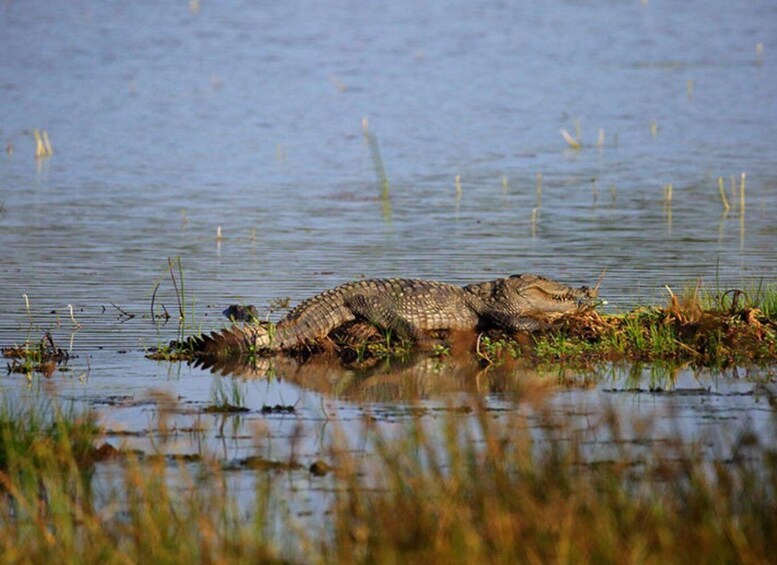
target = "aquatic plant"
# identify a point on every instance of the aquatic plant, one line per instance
(571, 141)
(180, 295)
(723, 199)
(539, 190)
(186, 305)
(42, 356)
(43, 148)
(227, 396)
(380, 170)
(492, 350)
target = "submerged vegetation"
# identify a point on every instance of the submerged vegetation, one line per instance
(481, 489)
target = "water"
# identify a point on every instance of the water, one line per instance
(168, 122)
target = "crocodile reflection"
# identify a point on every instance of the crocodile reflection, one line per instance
(414, 377)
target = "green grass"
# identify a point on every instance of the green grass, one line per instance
(761, 295)
(706, 328)
(30, 427)
(492, 350)
(390, 347)
(227, 396)
(47, 460)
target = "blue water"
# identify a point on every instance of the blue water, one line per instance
(170, 120)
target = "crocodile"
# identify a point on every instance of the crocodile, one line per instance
(411, 309)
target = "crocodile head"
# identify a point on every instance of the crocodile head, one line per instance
(532, 294)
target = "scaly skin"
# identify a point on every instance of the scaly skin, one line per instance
(410, 308)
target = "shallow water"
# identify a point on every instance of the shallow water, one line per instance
(167, 123)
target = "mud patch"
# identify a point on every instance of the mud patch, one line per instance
(225, 409)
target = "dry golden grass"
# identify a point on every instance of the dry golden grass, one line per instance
(478, 489)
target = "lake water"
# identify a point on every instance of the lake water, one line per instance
(168, 121)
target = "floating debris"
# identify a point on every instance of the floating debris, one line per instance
(42, 357)
(277, 409)
(261, 464)
(224, 409)
(320, 468)
(241, 313)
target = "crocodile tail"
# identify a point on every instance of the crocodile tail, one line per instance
(236, 340)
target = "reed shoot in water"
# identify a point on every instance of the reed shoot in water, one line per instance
(377, 160)
(723, 199)
(72, 317)
(571, 141)
(27, 308)
(539, 190)
(43, 148)
(668, 189)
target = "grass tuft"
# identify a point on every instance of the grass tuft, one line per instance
(227, 398)
(704, 328)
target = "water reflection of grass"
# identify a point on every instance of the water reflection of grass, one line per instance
(478, 489)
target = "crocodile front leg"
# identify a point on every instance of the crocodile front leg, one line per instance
(513, 322)
(380, 311)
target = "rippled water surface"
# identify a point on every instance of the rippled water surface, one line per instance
(326, 144)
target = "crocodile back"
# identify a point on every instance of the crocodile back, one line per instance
(483, 291)
(427, 305)
(431, 305)
(313, 318)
